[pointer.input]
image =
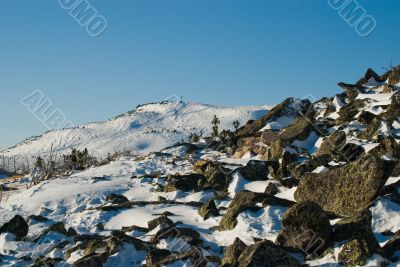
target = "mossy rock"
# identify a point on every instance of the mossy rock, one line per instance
(306, 228)
(266, 254)
(346, 190)
(233, 252)
(354, 253)
(93, 246)
(371, 130)
(209, 209)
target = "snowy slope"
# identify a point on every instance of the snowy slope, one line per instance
(148, 128)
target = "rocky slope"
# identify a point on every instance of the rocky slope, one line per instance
(307, 184)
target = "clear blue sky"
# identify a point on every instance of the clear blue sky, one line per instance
(227, 52)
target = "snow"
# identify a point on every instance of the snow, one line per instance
(148, 128)
(385, 216)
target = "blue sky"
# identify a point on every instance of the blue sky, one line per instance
(228, 52)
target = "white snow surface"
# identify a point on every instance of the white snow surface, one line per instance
(148, 128)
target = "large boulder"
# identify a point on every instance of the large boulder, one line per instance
(305, 227)
(346, 190)
(266, 254)
(371, 130)
(17, 226)
(233, 252)
(360, 242)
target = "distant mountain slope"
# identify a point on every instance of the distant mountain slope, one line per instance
(148, 128)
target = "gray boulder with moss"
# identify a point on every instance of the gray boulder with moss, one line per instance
(346, 190)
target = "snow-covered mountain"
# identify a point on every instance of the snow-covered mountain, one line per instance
(148, 128)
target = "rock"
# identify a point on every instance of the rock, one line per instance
(388, 147)
(57, 227)
(346, 190)
(371, 130)
(394, 76)
(162, 221)
(189, 235)
(17, 226)
(255, 170)
(366, 117)
(332, 144)
(360, 240)
(266, 254)
(93, 246)
(351, 90)
(393, 110)
(246, 200)
(283, 171)
(299, 170)
(161, 199)
(268, 136)
(290, 107)
(92, 260)
(393, 245)
(209, 209)
(184, 183)
(124, 238)
(45, 261)
(155, 256)
(233, 252)
(38, 218)
(348, 112)
(305, 227)
(116, 199)
(354, 253)
(271, 189)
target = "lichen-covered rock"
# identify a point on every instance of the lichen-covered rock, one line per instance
(354, 253)
(357, 227)
(271, 189)
(116, 199)
(290, 107)
(17, 226)
(266, 254)
(162, 221)
(184, 183)
(346, 190)
(351, 90)
(209, 209)
(299, 170)
(233, 252)
(92, 260)
(349, 111)
(305, 227)
(189, 235)
(366, 117)
(393, 110)
(332, 144)
(254, 171)
(371, 130)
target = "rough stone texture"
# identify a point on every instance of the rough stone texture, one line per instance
(271, 189)
(366, 117)
(233, 252)
(305, 227)
(371, 130)
(116, 199)
(290, 107)
(162, 221)
(346, 190)
(392, 246)
(332, 144)
(299, 170)
(17, 226)
(349, 111)
(254, 171)
(266, 254)
(184, 183)
(208, 210)
(360, 240)
(268, 136)
(393, 110)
